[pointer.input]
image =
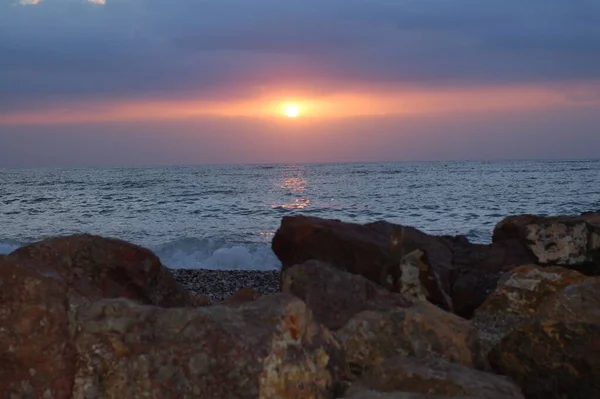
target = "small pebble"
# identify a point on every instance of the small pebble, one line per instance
(220, 284)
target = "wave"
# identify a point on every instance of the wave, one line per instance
(193, 253)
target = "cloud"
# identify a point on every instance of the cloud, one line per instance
(66, 51)
(29, 2)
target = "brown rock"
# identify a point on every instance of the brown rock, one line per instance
(198, 300)
(423, 330)
(96, 267)
(374, 250)
(436, 377)
(519, 294)
(575, 303)
(268, 348)
(36, 358)
(447, 271)
(564, 240)
(479, 269)
(551, 359)
(242, 296)
(335, 296)
(370, 394)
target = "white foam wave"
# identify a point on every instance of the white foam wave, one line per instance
(191, 253)
(206, 254)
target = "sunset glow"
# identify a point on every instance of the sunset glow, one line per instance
(292, 110)
(383, 103)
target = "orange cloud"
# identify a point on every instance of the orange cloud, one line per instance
(390, 102)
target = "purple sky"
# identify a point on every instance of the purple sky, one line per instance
(379, 80)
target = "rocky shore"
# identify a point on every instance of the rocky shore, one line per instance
(375, 311)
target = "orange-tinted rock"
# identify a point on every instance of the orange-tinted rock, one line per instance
(447, 271)
(335, 296)
(575, 303)
(564, 240)
(518, 297)
(96, 267)
(267, 348)
(242, 296)
(371, 394)
(551, 359)
(435, 377)
(198, 300)
(373, 250)
(422, 330)
(479, 267)
(36, 357)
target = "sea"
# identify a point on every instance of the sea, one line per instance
(224, 217)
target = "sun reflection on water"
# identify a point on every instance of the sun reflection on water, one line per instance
(295, 186)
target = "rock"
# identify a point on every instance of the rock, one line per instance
(95, 267)
(36, 357)
(422, 330)
(402, 259)
(370, 394)
(519, 294)
(435, 377)
(551, 359)
(374, 250)
(575, 303)
(335, 296)
(198, 300)
(267, 348)
(479, 269)
(572, 241)
(242, 296)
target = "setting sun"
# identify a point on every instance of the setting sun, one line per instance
(292, 111)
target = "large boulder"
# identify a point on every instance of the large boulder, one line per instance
(572, 241)
(435, 376)
(556, 354)
(519, 295)
(335, 296)
(551, 359)
(371, 394)
(422, 330)
(376, 251)
(447, 271)
(95, 267)
(267, 348)
(37, 359)
(575, 303)
(479, 267)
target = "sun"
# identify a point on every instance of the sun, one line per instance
(292, 110)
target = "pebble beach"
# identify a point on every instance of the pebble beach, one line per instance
(220, 284)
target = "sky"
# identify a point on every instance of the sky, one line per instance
(155, 82)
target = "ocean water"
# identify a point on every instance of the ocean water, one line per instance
(224, 217)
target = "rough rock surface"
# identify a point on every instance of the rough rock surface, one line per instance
(268, 348)
(564, 240)
(370, 394)
(575, 303)
(422, 330)
(36, 359)
(551, 359)
(96, 267)
(519, 294)
(242, 296)
(437, 377)
(374, 250)
(443, 270)
(479, 267)
(335, 296)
